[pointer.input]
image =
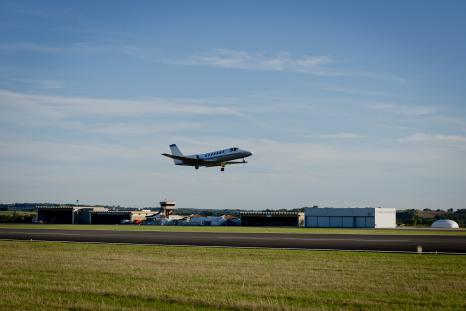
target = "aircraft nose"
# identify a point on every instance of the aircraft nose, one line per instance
(250, 153)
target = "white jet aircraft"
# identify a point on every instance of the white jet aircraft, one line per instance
(217, 158)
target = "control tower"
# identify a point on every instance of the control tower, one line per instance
(167, 207)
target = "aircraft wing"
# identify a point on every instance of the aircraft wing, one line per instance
(186, 160)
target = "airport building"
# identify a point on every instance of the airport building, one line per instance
(66, 214)
(117, 217)
(272, 218)
(87, 215)
(370, 217)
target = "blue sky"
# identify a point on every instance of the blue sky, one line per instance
(343, 104)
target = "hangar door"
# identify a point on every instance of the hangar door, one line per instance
(364, 222)
(55, 215)
(340, 221)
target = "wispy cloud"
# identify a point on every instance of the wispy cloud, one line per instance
(41, 83)
(318, 65)
(354, 91)
(69, 105)
(339, 136)
(141, 52)
(336, 136)
(403, 109)
(104, 118)
(47, 48)
(434, 138)
(138, 128)
(282, 62)
(225, 58)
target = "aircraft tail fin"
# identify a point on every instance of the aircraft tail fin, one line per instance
(176, 151)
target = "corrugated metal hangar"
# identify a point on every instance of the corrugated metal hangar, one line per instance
(370, 217)
(66, 214)
(270, 218)
(87, 215)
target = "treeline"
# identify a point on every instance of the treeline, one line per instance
(426, 217)
(30, 207)
(17, 217)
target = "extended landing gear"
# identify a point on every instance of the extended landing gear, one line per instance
(196, 167)
(222, 169)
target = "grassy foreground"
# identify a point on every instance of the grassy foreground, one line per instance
(75, 276)
(405, 231)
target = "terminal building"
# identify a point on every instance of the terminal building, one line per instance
(369, 217)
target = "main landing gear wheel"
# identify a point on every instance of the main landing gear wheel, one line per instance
(222, 169)
(196, 167)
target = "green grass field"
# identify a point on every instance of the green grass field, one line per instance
(76, 276)
(406, 231)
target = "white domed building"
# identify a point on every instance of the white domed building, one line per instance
(445, 224)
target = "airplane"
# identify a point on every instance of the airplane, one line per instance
(216, 158)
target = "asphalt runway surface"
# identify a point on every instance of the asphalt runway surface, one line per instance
(393, 243)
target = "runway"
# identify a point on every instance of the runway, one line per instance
(390, 243)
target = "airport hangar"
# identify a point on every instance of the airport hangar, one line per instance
(370, 217)
(87, 215)
(272, 218)
(328, 217)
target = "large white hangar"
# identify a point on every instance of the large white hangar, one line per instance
(371, 217)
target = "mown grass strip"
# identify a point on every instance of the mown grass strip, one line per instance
(75, 276)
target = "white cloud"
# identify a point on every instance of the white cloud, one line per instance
(66, 152)
(225, 58)
(47, 48)
(282, 62)
(142, 52)
(318, 65)
(403, 109)
(41, 83)
(138, 128)
(434, 138)
(354, 91)
(338, 136)
(32, 108)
